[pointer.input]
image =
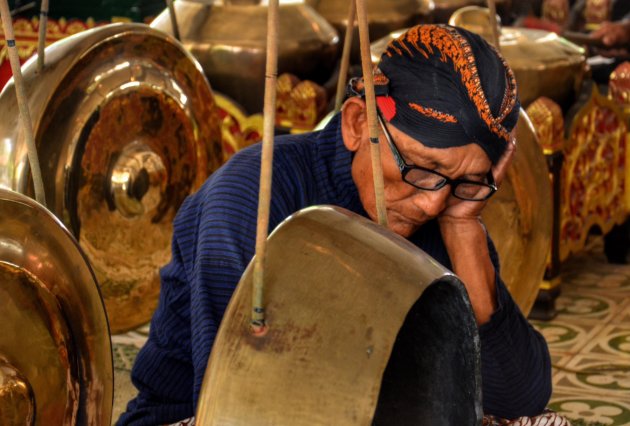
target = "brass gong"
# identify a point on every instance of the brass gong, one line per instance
(228, 38)
(443, 9)
(55, 352)
(126, 128)
(337, 290)
(519, 218)
(384, 17)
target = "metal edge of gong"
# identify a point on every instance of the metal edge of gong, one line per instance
(83, 313)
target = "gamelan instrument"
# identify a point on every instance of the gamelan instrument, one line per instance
(127, 125)
(519, 218)
(385, 17)
(443, 9)
(338, 290)
(55, 352)
(228, 39)
(355, 325)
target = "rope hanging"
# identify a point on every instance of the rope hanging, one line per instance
(25, 115)
(345, 58)
(41, 43)
(370, 100)
(259, 326)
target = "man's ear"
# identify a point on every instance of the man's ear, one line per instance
(353, 123)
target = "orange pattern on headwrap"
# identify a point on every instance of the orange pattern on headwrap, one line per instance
(379, 78)
(441, 116)
(451, 45)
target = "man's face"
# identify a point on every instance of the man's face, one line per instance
(408, 207)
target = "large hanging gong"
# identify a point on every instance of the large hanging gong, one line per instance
(55, 352)
(126, 128)
(338, 288)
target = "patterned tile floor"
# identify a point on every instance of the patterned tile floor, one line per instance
(589, 340)
(589, 343)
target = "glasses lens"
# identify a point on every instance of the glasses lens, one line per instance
(473, 191)
(424, 179)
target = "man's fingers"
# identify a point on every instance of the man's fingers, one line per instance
(500, 169)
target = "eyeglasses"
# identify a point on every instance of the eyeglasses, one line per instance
(430, 180)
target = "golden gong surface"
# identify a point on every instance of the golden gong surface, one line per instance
(55, 352)
(337, 290)
(126, 127)
(519, 218)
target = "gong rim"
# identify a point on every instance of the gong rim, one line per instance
(55, 332)
(519, 218)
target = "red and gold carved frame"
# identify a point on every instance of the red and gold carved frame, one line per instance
(26, 36)
(594, 176)
(594, 182)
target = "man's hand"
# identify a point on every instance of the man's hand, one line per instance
(463, 210)
(466, 243)
(615, 36)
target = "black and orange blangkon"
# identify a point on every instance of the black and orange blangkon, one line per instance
(450, 45)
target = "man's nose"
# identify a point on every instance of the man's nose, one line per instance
(433, 202)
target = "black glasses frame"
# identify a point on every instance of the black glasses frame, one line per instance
(406, 168)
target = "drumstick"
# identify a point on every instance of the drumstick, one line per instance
(582, 38)
(41, 45)
(171, 12)
(20, 91)
(345, 57)
(259, 327)
(370, 100)
(494, 24)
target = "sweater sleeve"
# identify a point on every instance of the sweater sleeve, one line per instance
(225, 244)
(515, 362)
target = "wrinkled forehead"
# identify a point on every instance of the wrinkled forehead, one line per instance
(454, 161)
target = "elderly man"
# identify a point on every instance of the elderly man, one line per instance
(447, 105)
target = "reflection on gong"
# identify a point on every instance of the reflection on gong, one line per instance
(126, 121)
(55, 351)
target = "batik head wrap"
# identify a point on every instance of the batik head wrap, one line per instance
(447, 87)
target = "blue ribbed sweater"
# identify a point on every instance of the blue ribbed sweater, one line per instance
(214, 240)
